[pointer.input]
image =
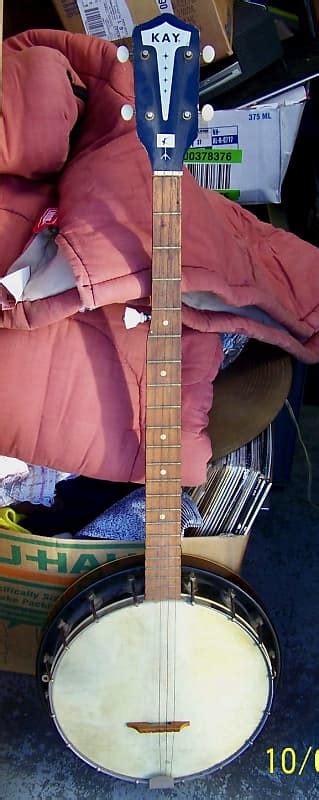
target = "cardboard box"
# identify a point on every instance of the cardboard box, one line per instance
(115, 20)
(244, 153)
(35, 570)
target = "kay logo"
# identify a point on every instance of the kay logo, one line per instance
(166, 39)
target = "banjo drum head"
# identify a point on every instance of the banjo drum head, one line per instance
(198, 664)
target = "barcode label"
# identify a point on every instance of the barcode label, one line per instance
(70, 8)
(212, 176)
(109, 19)
(94, 22)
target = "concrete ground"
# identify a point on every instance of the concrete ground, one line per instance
(282, 565)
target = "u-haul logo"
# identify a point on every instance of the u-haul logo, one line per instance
(69, 562)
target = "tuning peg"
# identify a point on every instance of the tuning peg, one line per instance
(207, 112)
(127, 112)
(122, 54)
(208, 54)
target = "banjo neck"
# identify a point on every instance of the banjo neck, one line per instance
(166, 80)
(163, 397)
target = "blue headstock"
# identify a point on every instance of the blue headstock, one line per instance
(166, 53)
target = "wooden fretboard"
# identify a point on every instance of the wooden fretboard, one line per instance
(163, 403)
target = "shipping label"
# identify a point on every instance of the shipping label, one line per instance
(112, 19)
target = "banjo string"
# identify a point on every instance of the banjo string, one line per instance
(174, 684)
(160, 684)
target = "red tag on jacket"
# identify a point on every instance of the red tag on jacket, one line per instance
(49, 219)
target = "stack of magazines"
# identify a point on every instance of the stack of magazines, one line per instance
(235, 490)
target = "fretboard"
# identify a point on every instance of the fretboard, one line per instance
(163, 401)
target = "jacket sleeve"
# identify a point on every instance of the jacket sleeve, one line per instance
(39, 111)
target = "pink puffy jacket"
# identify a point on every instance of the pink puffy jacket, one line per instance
(72, 394)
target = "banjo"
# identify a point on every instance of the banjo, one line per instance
(160, 669)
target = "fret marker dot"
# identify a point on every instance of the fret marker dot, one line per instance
(163, 471)
(163, 373)
(165, 322)
(163, 436)
(162, 516)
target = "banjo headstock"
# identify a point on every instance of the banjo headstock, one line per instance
(166, 57)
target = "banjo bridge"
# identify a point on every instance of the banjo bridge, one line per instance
(158, 727)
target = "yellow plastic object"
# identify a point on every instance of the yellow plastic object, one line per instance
(10, 519)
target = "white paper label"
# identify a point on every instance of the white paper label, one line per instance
(108, 19)
(111, 19)
(165, 6)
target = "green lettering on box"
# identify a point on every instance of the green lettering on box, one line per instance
(15, 559)
(85, 562)
(42, 560)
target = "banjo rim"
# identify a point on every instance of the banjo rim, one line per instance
(125, 565)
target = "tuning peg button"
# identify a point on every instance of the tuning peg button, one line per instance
(122, 54)
(127, 112)
(208, 54)
(207, 112)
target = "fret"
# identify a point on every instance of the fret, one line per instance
(168, 213)
(160, 495)
(151, 385)
(160, 464)
(172, 564)
(166, 406)
(160, 457)
(167, 335)
(162, 585)
(152, 561)
(160, 550)
(165, 383)
(166, 279)
(159, 446)
(166, 522)
(158, 575)
(167, 463)
(173, 173)
(163, 480)
(168, 547)
(160, 361)
(163, 494)
(162, 523)
(155, 539)
(155, 552)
